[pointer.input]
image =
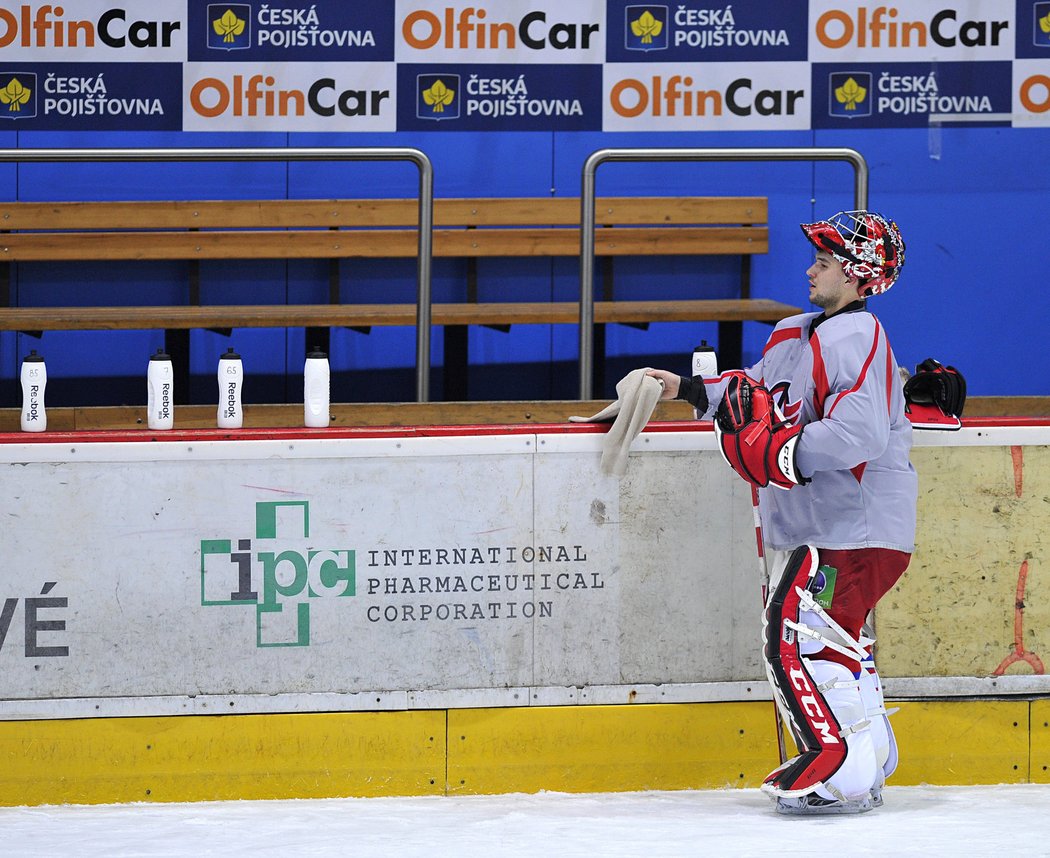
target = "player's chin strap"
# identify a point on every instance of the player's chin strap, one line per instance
(801, 695)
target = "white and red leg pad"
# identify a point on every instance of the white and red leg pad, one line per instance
(859, 772)
(820, 700)
(875, 710)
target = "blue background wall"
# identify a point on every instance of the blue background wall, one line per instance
(972, 203)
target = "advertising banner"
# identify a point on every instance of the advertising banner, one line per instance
(261, 568)
(91, 97)
(706, 97)
(608, 65)
(706, 31)
(916, 31)
(512, 31)
(911, 95)
(480, 98)
(93, 31)
(290, 97)
(289, 32)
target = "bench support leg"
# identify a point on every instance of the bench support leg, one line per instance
(456, 363)
(320, 338)
(598, 367)
(177, 344)
(730, 344)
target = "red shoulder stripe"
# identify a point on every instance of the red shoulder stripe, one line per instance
(780, 336)
(863, 369)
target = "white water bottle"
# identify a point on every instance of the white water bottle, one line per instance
(34, 379)
(316, 389)
(705, 362)
(160, 390)
(231, 376)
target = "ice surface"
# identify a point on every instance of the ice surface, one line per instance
(1001, 821)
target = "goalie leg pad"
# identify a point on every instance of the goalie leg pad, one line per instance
(821, 748)
(875, 710)
(859, 772)
(819, 700)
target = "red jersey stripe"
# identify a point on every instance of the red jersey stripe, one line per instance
(863, 370)
(821, 388)
(783, 335)
(889, 379)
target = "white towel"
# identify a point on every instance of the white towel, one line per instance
(636, 397)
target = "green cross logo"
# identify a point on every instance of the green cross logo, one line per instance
(291, 571)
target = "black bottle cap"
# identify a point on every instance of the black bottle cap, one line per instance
(229, 354)
(160, 355)
(317, 353)
(33, 357)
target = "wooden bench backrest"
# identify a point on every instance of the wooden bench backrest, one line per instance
(276, 229)
(287, 214)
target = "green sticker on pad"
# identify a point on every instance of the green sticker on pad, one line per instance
(823, 586)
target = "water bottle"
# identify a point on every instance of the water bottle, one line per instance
(316, 391)
(230, 415)
(705, 362)
(34, 379)
(160, 408)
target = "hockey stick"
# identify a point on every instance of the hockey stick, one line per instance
(763, 569)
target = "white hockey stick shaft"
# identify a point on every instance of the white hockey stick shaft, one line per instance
(763, 569)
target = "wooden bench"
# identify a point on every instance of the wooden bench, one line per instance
(342, 229)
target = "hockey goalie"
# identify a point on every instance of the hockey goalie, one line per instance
(818, 428)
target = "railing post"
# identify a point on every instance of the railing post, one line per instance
(587, 196)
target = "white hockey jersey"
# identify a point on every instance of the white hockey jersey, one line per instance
(840, 381)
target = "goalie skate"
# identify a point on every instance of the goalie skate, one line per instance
(814, 805)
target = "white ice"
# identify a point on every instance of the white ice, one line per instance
(1000, 821)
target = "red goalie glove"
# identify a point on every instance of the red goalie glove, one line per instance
(754, 438)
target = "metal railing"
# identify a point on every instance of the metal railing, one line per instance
(599, 157)
(426, 203)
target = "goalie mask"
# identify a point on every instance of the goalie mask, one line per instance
(869, 246)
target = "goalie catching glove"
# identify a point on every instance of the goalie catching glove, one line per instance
(755, 439)
(934, 396)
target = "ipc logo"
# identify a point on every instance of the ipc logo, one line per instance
(281, 562)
